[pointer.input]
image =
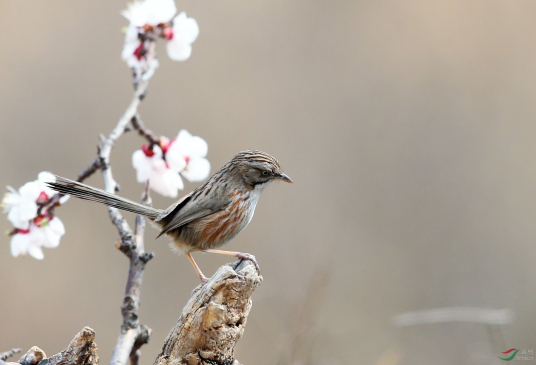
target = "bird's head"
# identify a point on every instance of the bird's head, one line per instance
(259, 168)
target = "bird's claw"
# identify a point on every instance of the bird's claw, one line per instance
(250, 257)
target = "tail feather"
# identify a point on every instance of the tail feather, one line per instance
(83, 191)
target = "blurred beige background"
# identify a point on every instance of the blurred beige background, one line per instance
(408, 128)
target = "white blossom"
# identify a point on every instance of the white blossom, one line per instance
(185, 32)
(150, 12)
(44, 233)
(186, 155)
(53, 231)
(145, 16)
(28, 242)
(159, 11)
(34, 228)
(21, 207)
(150, 19)
(150, 165)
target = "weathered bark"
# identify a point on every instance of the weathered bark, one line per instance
(133, 335)
(81, 351)
(214, 319)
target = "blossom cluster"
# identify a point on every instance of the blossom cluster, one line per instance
(29, 209)
(163, 164)
(153, 19)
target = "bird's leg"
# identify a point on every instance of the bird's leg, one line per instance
(197, 269)
(240, 255)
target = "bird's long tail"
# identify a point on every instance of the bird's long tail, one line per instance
(83, 191)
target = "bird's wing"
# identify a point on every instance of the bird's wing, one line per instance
(175, 206)
(188, 210)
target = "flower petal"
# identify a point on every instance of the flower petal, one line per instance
(10, 199)
(21, 214)
(189, 146)
(128, 50)
(167, 183)
(198, 147)
(143, 166)
(183, 138)
(198, 169)
(178, 51)
(31, 190)
(136, 13)
(36, 252)
(46, 177)
(53, 232)
(19, 244)
(159, 11)
(28, 243)
(132, 33)
(185, 30)
(175, 159)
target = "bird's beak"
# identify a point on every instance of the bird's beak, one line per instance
(285, 178)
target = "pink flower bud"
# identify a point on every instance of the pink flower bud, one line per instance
(148, 152)
(43, 198)
(168, 33)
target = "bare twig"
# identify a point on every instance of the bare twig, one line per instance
(214, 319)
(133, 335)
(110, 185)
(6, 355)
(54, 200)
(144, 132)
(143, 337)
(90, 170)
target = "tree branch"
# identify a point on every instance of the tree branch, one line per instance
(6, 355)
(110, 185)
(133, 335)
(90, 170)
(214, 319)
(138, 125)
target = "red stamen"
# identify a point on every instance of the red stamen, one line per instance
(187, 159)
(23, 231)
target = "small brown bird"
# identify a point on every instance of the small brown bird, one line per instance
(209, 216)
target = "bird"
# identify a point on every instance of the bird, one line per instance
(209, 216)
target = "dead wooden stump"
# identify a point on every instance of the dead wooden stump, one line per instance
(206, 332)
(214, 319)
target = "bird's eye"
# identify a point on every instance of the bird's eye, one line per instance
(265, 173)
